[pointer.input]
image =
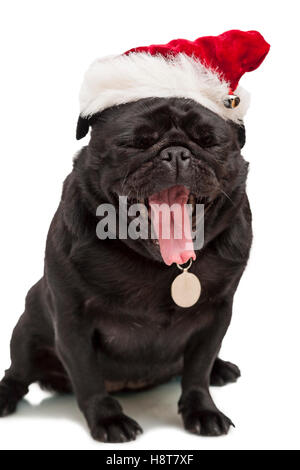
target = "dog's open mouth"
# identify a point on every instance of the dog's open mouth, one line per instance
(172, 222)
(174, 249)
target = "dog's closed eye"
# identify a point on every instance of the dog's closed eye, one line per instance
(145, 137)
(204, 136)
(142, 139)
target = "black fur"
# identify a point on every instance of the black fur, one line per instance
(102, 318)
(82, 128)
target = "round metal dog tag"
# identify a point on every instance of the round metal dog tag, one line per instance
(186, 289)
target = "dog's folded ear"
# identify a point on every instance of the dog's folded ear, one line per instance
(82, 128)
(241, 133)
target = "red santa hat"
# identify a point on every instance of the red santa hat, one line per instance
(206, 70)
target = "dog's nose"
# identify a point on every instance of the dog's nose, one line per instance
(176, 157)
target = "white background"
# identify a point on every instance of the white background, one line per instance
(45, 49)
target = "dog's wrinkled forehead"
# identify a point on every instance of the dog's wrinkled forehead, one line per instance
(157, 115)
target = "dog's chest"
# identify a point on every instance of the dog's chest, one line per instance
(142, 321)
(132, 310)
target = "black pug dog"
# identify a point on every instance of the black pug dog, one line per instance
(102, 319)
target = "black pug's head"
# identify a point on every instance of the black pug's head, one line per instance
(163, 150)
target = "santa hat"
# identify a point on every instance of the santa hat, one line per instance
(206, 70)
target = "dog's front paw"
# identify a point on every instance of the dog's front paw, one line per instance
(108, 423)
(200, 415)
(8, 402)
(224, 372)
(119, 428)
(206, 422)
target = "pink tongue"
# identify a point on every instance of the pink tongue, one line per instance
(175, 241)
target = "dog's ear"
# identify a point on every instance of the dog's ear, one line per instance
(82, 128)
(241, 133)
